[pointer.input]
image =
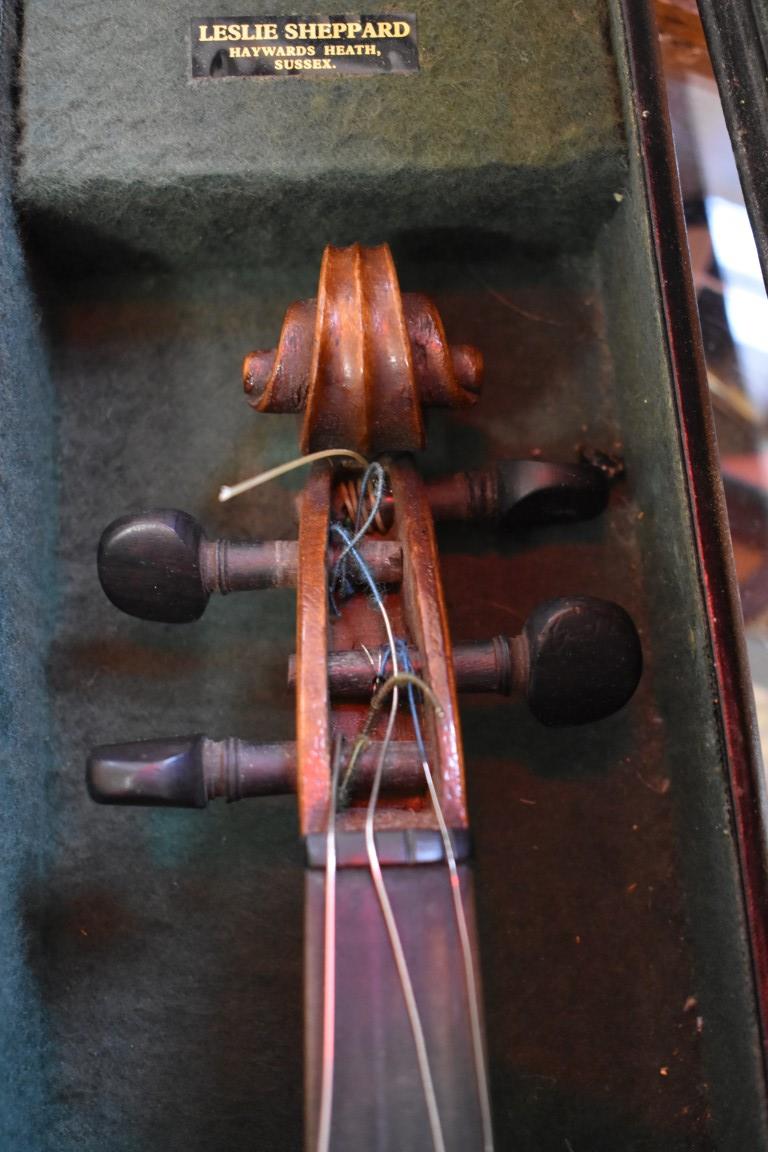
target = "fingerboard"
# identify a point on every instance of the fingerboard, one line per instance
(378, 1096)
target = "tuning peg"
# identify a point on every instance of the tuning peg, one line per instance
(583, 660)
(159, 565)
(537, 492)
(517, 493)
(149, 566)
(166, 773)
(513, 493)
(577, 660)
(188, 771)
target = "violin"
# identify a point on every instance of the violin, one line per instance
(395, 1054)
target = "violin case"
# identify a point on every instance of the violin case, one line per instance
(737, 35)
(154, 230)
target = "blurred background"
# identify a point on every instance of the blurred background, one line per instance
(734, 313)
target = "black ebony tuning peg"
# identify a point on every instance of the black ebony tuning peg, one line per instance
(165, 773)
(577, 660)
(188, 771)
(518, 493)
(537, 492)
(149, 566)
(160, 565)
(583, 660)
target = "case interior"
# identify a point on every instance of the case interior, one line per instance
(152, 960)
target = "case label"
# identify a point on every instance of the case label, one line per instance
(308, 46)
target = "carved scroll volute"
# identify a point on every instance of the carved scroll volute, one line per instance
(362, 389)
(361, 360)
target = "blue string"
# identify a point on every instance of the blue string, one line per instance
(404, 660)
(339, 583)
(363, 568)
(401, 646)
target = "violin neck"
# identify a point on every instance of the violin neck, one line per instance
(378, 1095)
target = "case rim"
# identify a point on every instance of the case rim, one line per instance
(698, 446)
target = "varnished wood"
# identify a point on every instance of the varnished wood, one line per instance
(417, 608)
(361, 360)
(426, 615)
(313, 717)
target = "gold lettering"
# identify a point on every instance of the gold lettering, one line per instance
(352, 30)
(351, 50)
(251, 32)
(369, 31)
(307, 64)
(219, 32)
(400, 28)
(302, 65)
(203, 37)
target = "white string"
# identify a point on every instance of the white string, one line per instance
(389, 916)
(470, 979)
(374, 864)
(227, 491)
(329, 917)
(329, 967)
(473, 1000)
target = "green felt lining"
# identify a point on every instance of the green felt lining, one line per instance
(513, 124)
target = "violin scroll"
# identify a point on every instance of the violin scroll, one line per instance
(361, 361)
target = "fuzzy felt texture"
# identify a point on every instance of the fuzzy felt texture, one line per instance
(27, 599)
(513, 125)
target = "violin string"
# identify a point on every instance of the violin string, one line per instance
(351, 499)
(470, 978)
(329, 965)
(374, 864)
(397, 679)
(229, 491)
(374, 478)
(329, 946)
